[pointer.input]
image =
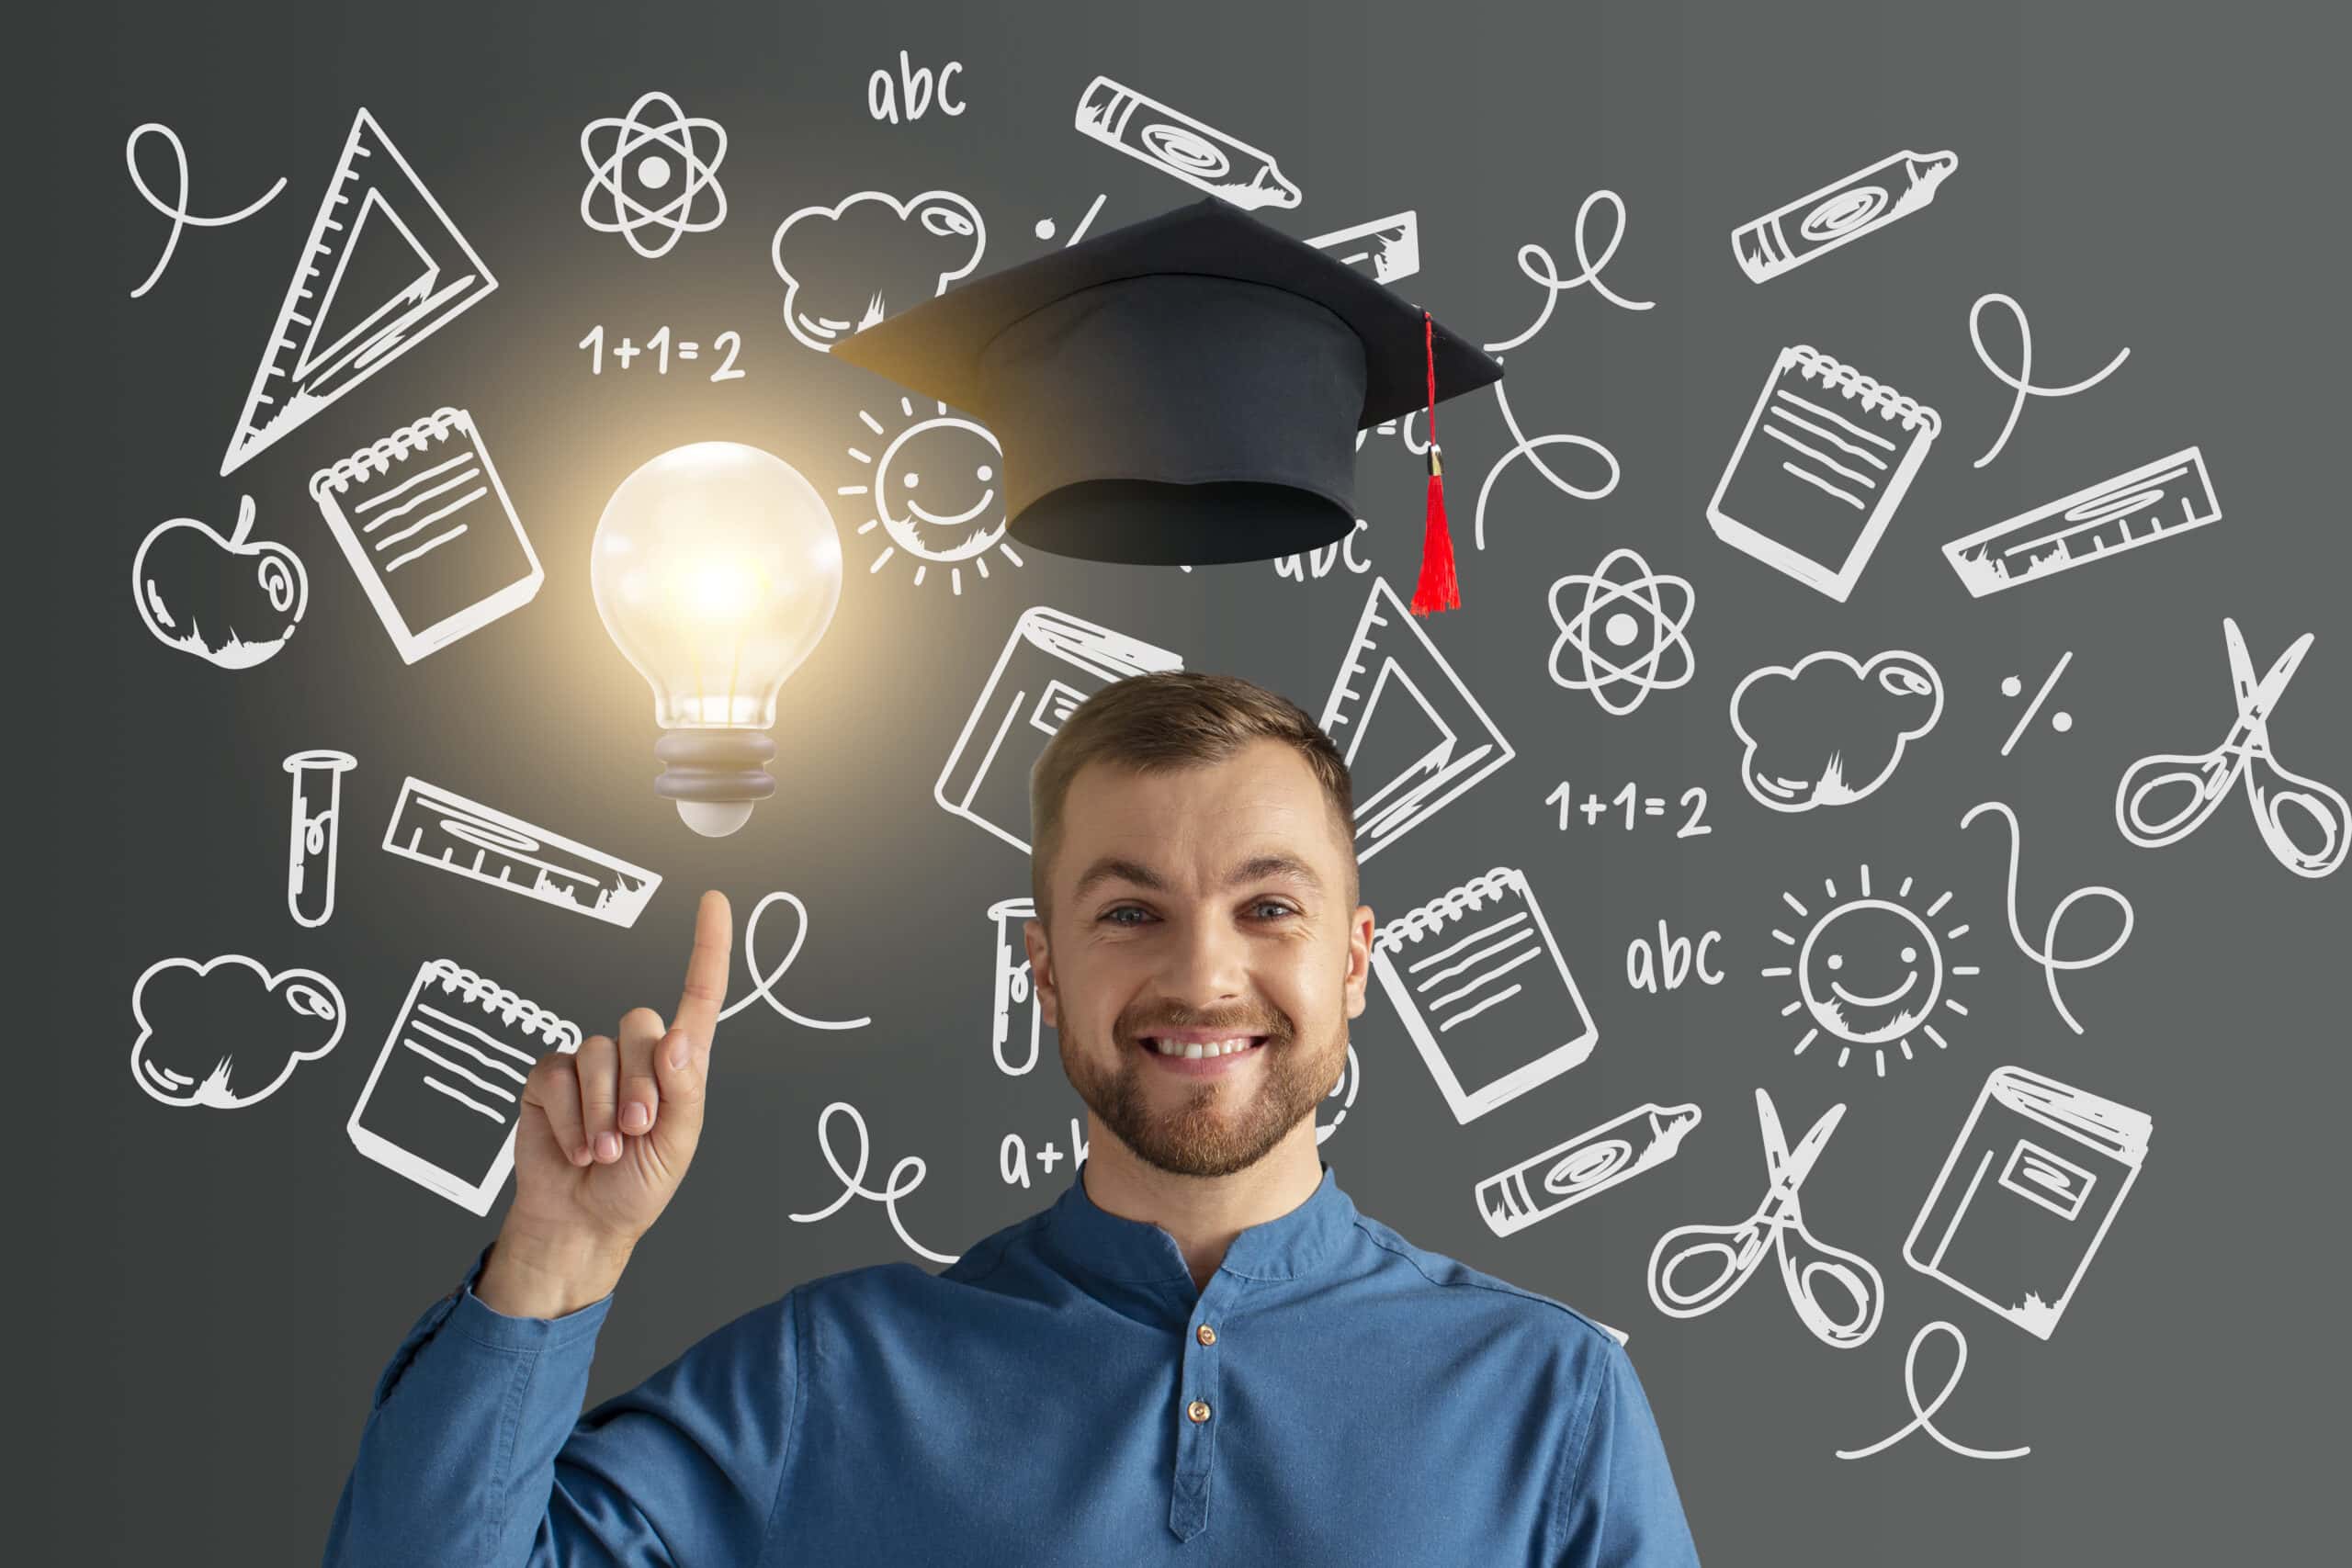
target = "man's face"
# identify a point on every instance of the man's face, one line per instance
(1207, 903)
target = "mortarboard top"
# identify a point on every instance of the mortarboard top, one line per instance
(1186, 389)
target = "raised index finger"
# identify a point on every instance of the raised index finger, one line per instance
(706, 986)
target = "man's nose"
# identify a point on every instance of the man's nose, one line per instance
(1208, 964)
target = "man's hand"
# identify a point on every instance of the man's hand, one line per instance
(605, 1137)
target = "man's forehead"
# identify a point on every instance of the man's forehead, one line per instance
(1261, 814)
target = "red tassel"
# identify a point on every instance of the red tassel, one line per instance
(1437, 589)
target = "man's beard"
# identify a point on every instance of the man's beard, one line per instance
(1204, 1133)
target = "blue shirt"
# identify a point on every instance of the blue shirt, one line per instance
(1062, 1394)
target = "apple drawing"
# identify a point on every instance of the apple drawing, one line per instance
(229, 602)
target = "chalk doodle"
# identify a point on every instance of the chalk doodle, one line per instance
(661, 345)
(1536, 264)
(232, 602)
(1175, 143)
(1731, 1254)
(1584, 1167)
(176, 207)
(1922, 1415)
(913, 92)
(846, 266)
(1405, 723)
(952, 465)
(654, 170)
(1871, 940)
(1341, 1099)
(1319, 562)
(2012, 1223)
(910, 1168)
(443, 1101)
(1830, 729)
(312, 833)
(2046, 955)
(2061, 721)
(1635, 806)
(328, 339)
(1675, 959)
(227, 1033)
(2155, 500)
(1839, 213)
(2021, 379)
(762, 984)
(1045, 228)
(1013, 1159)
(1822, 435)
(1388, 250)
(442, 828)
(2277, 796)
(1624, 603)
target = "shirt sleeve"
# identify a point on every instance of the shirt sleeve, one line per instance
(475, 1450)
(1619, 1508)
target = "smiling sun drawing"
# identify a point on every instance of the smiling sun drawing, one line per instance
(937, 493)
(1870, 970)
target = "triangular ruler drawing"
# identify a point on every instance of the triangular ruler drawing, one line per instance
(1413, 736)
(384, 269)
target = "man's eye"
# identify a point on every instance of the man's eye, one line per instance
(1276, 908)
(1112, 915)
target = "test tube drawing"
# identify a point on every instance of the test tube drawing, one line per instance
(1012, 985)
(310, 840)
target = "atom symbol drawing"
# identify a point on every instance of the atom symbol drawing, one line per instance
(651, 171)
(1624, 603)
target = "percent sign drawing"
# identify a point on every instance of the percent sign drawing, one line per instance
(2061, 722)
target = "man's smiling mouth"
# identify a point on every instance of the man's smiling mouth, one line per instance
(1843, 995)
(1196, 1049)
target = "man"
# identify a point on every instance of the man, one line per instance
(1200, 1353)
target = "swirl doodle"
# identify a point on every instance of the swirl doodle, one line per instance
(1531, 257)
(1922, 1415)
(2022, 382)
(854, 1183)
(2046, 954)
(762, 984)
(177, 208)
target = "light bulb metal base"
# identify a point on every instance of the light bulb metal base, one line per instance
(714, 775)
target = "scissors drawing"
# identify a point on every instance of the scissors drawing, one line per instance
(2244, 753)
(1730, 1254)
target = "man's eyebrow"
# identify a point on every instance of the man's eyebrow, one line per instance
(1257, 868)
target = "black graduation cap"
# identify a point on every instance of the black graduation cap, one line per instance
(1185, 389)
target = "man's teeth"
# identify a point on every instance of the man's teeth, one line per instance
(1201, 1047)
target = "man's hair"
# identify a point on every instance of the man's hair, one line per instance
(1169, 720)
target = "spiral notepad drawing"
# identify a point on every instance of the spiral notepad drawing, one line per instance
(1818, 472)
(1484, 992)
(444, 1097)
(425, 523)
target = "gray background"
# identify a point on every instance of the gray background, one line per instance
(213, 1294)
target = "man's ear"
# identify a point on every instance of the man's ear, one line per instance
(1041, 970)
(1359, 958)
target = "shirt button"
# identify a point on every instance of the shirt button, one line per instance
(1198, 1411)
(1205, 1335)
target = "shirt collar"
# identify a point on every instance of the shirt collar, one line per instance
(1308, 1238)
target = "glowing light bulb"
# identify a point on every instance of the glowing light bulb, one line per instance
(715, 568)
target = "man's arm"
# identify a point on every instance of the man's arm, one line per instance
(475, 1450)
(1618, 1505)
